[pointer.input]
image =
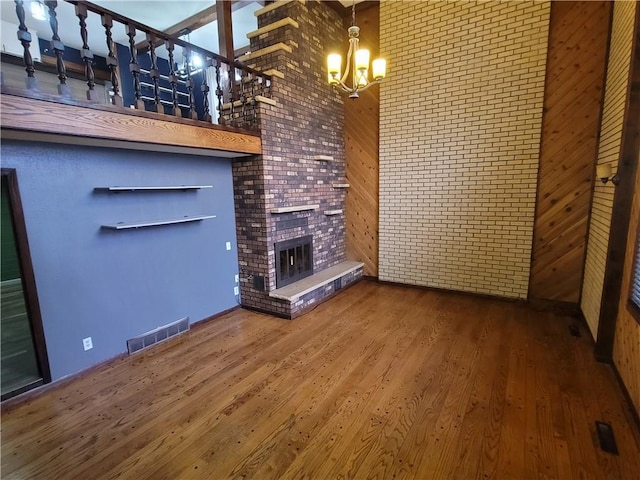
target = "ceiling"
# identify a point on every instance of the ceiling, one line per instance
(159, 14)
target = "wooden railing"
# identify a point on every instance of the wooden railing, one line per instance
(219, 90)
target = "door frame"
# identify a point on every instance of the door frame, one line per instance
(28, 281)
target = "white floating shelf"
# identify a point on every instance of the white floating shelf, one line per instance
(155, 188)
(298, 208)
(341, 185)
(322, 158)
(172, 221)
(330, 213)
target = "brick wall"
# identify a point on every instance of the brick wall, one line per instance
(306, 122)
(608, 152)
(460, 126)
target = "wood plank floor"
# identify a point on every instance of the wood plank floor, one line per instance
(379, 382)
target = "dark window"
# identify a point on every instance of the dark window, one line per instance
(634, 294)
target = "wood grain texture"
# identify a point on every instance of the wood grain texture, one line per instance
(361, 123)
(578, 35)
(31, 114)
(381, 381)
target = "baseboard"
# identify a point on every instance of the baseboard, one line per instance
(555, 306)
(485, 296)
(627, 396)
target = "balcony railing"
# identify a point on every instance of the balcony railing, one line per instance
(215, 90)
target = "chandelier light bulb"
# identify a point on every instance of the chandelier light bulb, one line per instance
(334, 63)
(362, 59)
(379, 68)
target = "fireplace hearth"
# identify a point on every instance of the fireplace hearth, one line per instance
(294, 260)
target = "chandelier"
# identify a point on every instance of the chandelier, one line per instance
(357, 64)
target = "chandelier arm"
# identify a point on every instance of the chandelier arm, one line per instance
(369, 84)
(344, 87)
(352, 47)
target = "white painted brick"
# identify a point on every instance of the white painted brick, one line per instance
(458, 160)
(608, 152)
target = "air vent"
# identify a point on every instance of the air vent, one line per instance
(606, 438)
(157, 335)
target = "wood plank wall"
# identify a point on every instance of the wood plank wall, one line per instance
(361, 154)
(575, 75)
(578, 37)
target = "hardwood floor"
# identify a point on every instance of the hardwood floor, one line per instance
(379, 382)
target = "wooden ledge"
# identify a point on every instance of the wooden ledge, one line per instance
(331, 213)
(106, 122)
(273, 26)
(273, 6)
(265, 51)
(274, 73)
(296, 208)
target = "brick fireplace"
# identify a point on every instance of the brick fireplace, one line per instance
(297, 187)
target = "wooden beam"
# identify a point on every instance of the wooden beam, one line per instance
(197, 20)
(225, 29)
(29, 114)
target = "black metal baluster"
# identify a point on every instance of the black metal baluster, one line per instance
(219, 93)
(154, 73)
(232, 77)
(134, 66)
(86, 54)
(112, 61)
(173, 79)
(25, 39)
(205, 91)
(58, 47)
(190, 84)
(254, 106)
(243, 98)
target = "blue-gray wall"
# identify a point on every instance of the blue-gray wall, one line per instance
(113, 285)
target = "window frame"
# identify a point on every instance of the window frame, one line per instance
(632, 306)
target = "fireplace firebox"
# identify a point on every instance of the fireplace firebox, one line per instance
(294, 260)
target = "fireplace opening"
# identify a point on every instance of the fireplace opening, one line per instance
(294, 260)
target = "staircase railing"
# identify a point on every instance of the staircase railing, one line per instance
(216, 90)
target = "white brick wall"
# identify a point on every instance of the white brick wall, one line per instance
(460, 126)
(615, 97)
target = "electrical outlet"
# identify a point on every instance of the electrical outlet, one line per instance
(236, 291)
(237, 278)
(87, 343)
(228, 245)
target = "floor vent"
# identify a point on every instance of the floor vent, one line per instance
(606, 438)
(157, 335)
